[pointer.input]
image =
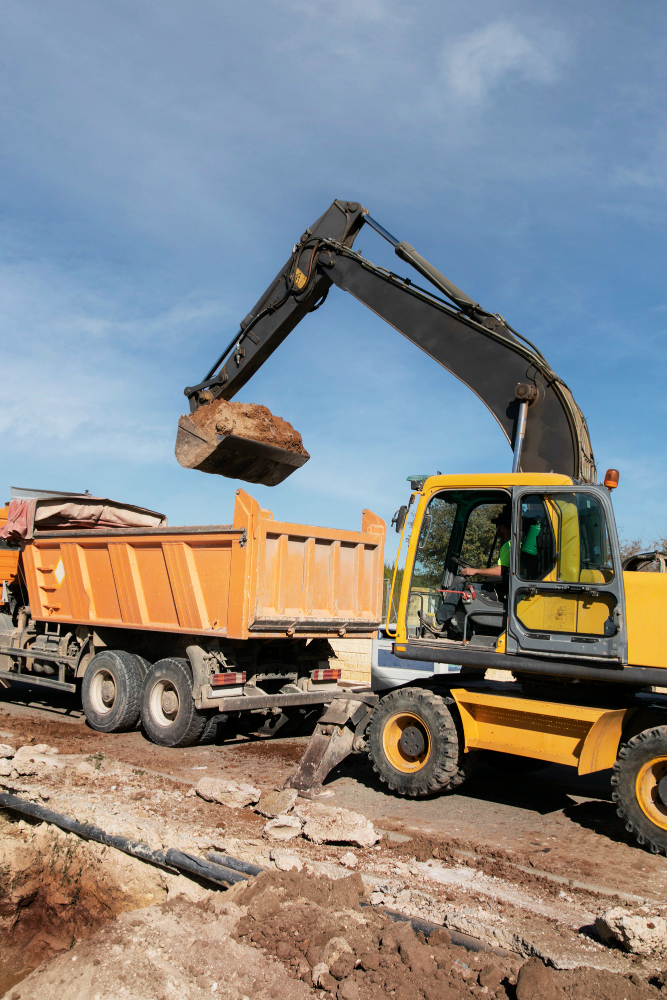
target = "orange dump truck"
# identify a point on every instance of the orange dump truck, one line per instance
(184, 626)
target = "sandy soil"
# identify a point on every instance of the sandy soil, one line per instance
(526, 881)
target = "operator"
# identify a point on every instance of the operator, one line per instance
(499, 572)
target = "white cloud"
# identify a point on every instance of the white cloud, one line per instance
(479, 62)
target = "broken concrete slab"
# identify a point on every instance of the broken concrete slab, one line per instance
(638, 931)
(334, 825)
(349, 859)
(282, 828)
(6, 769)
(277, 803)
(234, 794)
(286, 862)
(6, 750)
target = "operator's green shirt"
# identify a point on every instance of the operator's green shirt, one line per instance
(504, 555)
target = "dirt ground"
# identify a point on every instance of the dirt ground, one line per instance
(523, 863)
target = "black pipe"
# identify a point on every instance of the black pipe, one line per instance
(427, 927)
(636, 676)
(221, 874)
(235, 863)
(170, 859)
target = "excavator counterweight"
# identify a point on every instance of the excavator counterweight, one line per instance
(535, 409)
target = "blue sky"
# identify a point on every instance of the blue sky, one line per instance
(158, 160)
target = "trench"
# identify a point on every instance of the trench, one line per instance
(56, 889)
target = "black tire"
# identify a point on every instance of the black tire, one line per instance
(639, 788)
(144, 664)
(168, 712)
(111, 691)
(212, 728)
(440, 765)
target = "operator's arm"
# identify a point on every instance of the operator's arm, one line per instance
(492, 573)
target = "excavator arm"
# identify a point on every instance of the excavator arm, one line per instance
(533, 406)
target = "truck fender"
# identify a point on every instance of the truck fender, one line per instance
(200, 675)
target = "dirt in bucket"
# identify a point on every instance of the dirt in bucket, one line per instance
(248, 420)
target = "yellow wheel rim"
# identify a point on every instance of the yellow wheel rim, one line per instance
(402, 734)
(648, 796)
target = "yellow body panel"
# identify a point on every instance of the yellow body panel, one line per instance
(578, 735)
(645, 607)
(565, 613)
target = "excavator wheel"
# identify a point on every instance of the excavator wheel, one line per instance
(639, 783)
(414, 744)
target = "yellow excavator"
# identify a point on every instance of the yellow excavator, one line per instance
(518, 572)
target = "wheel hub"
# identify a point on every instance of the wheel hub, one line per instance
(662, 790)
(407, 742)
(169, 703)
(412, 741)
(108, 692)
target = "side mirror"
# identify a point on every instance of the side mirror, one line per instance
(399, 518)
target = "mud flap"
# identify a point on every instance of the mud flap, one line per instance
(339, 731)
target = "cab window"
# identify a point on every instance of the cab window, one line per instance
(564, 538)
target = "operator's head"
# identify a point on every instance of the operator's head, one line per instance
(503, 521)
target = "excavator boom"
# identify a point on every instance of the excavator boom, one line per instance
(534, 408)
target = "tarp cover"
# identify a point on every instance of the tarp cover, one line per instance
(73, 513)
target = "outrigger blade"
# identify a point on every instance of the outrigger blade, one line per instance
(234, 456)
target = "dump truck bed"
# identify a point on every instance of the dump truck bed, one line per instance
(254, 578)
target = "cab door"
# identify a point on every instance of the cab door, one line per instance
(566, 586)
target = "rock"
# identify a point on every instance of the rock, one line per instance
(282, 828)
(234, 794)
(277, 803)
(535, 980)
(638, 932)
(319, 971)
(39, 748)
(489, 975)
(31, 760)
(286, 862)
(6, 750)
(331, 824)
(6, 768)
(334, 949)
(349, 859)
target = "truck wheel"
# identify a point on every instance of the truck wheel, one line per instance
(168, 712)
(414, 744)
(111, 691)
(639, 783)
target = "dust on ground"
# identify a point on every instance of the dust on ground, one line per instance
(508, 897)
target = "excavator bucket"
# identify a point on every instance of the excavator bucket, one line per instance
(240, 441)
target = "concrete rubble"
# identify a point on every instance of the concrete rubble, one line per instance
(277, 803)
(233, 794)
(333, 825)
(282, 828)
(636, 931)
(286, 862)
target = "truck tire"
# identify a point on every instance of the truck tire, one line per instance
(639, 787)
(414, 744)
(168, 712)
(111, 691)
